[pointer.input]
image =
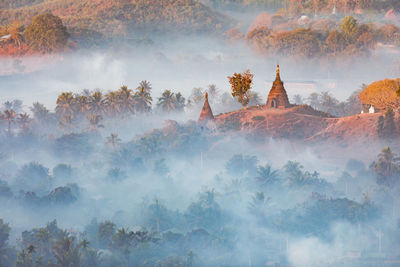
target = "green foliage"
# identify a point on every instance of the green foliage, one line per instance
(386, 125)
(389, 126)
(106, 231)
(170, 101)
(258, 205)
(387, 168)
(205, 213)
(349, 28)
(4, 234)
(33, 177)
(296, 178)
(240, 165)
(158, 217)
(67, 252)
(73, 145)
(266, 177)
(149, 146)
(316, 216)
(47, 34)
(43, 239)
(61, 195)
(142, 96)
(299, 43)
(63, 172)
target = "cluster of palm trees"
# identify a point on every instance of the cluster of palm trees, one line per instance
(121, 103)
(94, 105)
(10, 116)
(115, 103)
(170, 101)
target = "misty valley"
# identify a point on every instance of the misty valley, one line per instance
(199, 133)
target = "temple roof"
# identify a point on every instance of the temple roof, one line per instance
(206, 113)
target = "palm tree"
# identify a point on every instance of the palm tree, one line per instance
(254, 98)
(9, 116)
(123, 240)
(145, 85)
(197, 96)
(81, 104)
(65, 104)
(23, 259)
(126, 99)
(213, 91)
(44, 238)
(167, 101)
(66, 252)
(113, 140)
(8, 105)
(24, 120)
(94, 121)
(143, 99)
(31, 249)
(258, 204)
(39, 111)
(266, 176)
(66, 122)
(179, 102)
(96, 103)
(112, 103)
(84, 244)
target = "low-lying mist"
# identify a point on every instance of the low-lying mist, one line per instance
(157, 189)
(182, 65)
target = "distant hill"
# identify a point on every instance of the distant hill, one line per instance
(119, 17)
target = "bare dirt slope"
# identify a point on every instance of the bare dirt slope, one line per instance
(301, 123)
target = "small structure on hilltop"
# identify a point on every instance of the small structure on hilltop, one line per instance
(206, 114)
(277, 97)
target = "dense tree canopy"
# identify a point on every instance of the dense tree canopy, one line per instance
(240, 85)
(47, 33)
(382, 94)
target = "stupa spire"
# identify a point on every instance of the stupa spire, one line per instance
(277, 97)
(206, 113)
(278, 77)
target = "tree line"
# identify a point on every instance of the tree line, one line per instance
(352, 38)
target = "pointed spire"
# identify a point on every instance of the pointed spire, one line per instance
(206, 113)
(278, 77)
(277, 97)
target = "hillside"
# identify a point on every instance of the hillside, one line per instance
(124, 16)
(299, 123)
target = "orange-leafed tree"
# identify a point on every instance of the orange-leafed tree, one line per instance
(382, 94)
(240, 85)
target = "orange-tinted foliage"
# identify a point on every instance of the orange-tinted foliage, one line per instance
(382, 94)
